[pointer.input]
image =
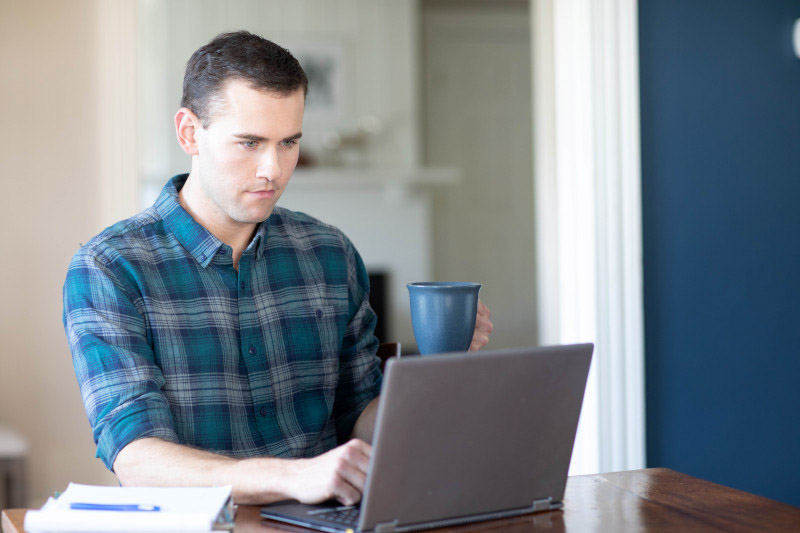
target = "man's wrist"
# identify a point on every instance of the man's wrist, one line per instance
(260, 480)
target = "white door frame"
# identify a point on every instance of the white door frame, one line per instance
(588, 213)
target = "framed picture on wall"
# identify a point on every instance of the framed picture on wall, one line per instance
(325, 66)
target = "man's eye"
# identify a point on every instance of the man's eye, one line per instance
(250, 144)
(289, 143)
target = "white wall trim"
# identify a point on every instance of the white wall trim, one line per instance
(587, 185)
(119, 183)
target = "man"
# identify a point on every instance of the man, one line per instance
(218, 339)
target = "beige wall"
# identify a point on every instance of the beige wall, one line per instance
(50, 181)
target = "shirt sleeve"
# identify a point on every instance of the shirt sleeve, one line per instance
(360, 378)
(120, 383)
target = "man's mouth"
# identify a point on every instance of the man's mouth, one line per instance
(263, 193)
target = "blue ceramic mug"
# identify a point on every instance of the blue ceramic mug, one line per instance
(443, 315)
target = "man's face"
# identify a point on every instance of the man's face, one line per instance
(247, 153)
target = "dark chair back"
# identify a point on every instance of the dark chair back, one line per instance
(387, 350)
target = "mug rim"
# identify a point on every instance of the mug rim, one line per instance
(441, 284)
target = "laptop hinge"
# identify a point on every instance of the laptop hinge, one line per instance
(544, 504)
(386, 527)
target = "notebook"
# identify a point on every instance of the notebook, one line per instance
(462, 438)
(92, 508)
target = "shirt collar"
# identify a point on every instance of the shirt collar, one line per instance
(261, 236)
(197, 240)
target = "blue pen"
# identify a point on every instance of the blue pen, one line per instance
(113, 507)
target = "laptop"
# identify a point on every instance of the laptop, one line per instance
(463, 437)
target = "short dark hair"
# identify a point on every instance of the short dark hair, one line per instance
(238, 55)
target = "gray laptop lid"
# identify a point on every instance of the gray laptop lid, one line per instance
(460, 435)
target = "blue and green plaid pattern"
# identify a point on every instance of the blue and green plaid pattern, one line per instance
(168, 340)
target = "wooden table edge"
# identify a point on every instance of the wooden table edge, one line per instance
(13, 520)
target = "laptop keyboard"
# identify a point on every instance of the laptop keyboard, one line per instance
(347, 516)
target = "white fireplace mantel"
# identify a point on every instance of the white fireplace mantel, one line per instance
(390, 179)
(373, 176)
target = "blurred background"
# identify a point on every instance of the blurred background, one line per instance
(418, 142)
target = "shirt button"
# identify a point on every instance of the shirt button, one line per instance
(241, 285)
(319, 313)
(263, 411)
(252, 350)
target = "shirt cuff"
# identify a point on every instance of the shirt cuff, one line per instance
(139, 420)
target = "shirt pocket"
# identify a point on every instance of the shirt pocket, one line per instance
(311, 342)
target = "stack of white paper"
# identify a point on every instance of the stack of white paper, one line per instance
(181, 509)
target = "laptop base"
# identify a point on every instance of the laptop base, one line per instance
(316, 517)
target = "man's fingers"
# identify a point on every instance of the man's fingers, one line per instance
(478, 342)
(359, 445)
(358, 452)
(355, 455)
(480, 338)
(483, 324)
(351, 471)
(339, 474)
(483, 327)
(482, 321)
(346, 493)
(352, 475)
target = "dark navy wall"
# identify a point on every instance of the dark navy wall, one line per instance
(720, 101)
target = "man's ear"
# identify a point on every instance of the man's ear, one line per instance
(186, 126)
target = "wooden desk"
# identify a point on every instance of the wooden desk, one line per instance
(655, 499)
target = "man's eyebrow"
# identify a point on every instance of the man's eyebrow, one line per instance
(254, 137)
(250, 136)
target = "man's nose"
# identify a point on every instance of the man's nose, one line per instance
(269, 167)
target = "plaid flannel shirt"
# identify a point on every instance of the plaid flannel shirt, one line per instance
(168, 340)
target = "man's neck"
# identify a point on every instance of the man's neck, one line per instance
(235, 235)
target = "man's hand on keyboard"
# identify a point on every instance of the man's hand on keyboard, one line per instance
(339, 474)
